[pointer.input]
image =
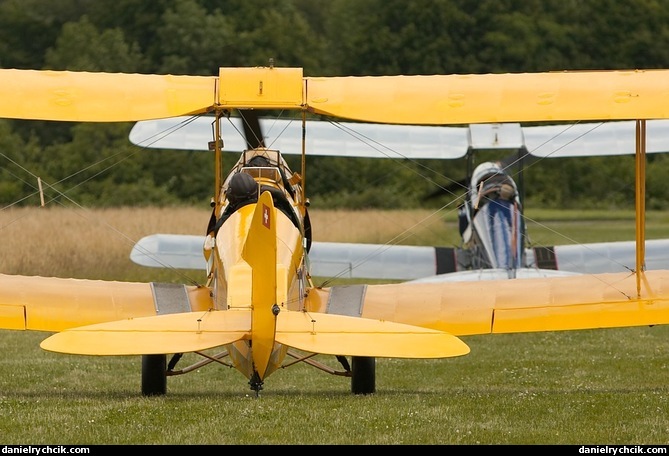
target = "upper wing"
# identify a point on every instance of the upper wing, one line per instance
(101, 97)
(488, 98)
(415, 100)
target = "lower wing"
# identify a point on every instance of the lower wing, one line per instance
(398, 320)
(505, 306)
(425, 263)
(55, 304)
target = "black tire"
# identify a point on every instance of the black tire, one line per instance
(363, 375)
(154, 375)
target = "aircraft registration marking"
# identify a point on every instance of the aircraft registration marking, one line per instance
(265, 216)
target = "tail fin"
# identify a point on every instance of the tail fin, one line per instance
(260, 253)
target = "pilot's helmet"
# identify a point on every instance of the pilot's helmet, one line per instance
(241, 187)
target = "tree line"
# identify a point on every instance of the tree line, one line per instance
(94, 164)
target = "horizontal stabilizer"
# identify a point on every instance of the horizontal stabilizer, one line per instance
(352, 336)
(172, 333)
(317, 333)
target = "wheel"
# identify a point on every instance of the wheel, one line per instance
(154, 376)
(363, 375)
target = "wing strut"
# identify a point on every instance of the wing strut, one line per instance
(218, 164)
(303, 201)
(640, 201)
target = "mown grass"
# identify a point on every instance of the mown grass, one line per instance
(574, 387)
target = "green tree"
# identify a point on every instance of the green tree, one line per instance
(396, 37)
(81, 47)
(339, 37)
(18, 185)
(193, 41)
(28, 27)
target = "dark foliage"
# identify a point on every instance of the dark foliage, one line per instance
(95, 164)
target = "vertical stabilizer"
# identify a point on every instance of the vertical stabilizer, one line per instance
(260, 253)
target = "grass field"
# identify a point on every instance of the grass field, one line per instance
(574, 387)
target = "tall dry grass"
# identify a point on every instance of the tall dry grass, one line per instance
(85, 243)
(413, 227)
(96, 243)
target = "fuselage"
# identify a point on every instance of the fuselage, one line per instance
(232, 275)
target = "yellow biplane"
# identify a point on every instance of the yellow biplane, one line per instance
(258, 303)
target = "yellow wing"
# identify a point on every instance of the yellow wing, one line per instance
(466, 308)
(434, 100)
(55, 304)
(506, 306)
(520, 97)
(102, 97)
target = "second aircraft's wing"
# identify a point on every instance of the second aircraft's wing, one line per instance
(326, 259)
(401, 262)
(180, 251)
(594, 139)
(347, 139)
(341, 139)
(380, 261)
(600, 257)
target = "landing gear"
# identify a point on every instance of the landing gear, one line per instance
(363, 375)
(154, 375)
(256, 383)
(344, 362)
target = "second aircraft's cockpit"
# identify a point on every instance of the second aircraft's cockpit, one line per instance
(492, 226)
